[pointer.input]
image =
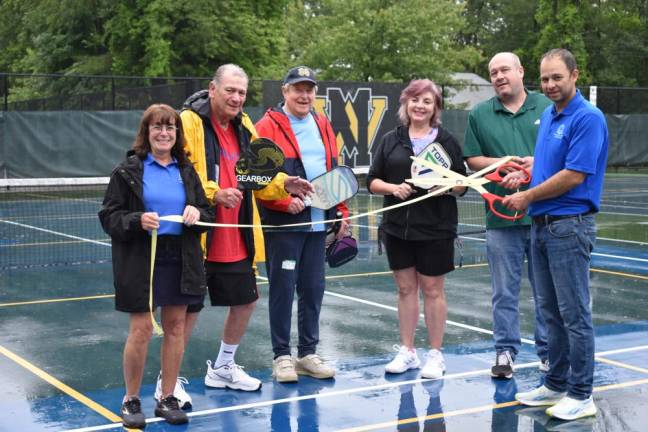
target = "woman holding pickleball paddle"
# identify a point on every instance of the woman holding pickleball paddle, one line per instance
(419, 238)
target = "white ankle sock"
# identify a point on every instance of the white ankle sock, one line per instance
(225, 355)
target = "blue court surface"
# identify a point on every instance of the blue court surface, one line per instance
(61, 340)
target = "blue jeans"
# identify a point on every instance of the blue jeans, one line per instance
(561, 254)
(295, 261)
(506, 248)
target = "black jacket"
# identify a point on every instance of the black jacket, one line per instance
(120, 217)
(430, 219)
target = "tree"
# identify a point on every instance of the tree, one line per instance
(563, 23)
(495, 26)
(379, 40)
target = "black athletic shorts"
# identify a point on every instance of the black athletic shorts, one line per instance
(231, 284)
(429, 257)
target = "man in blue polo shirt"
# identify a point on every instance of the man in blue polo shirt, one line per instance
(569, 165)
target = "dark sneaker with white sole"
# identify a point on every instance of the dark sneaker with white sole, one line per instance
(503, 367)
(131, 414)
(169, 409)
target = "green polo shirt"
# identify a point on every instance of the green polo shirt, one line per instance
(494, 131)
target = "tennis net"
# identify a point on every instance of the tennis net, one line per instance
(45, 222)
(49, 222)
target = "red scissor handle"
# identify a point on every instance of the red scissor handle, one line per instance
(491, 199)
(496, 176)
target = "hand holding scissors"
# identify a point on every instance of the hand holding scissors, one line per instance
(476, 181)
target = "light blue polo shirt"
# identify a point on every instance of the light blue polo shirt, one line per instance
(313, 156)
(575, 139)
(164, 193)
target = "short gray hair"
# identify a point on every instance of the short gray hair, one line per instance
(228, 68)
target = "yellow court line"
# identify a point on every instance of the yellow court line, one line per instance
(61, 386)
(59, 300)
(622, 365)
(431, 417)
(352, 275)
(619, 385)
(52, 243)
(482, 408)
(630, 275)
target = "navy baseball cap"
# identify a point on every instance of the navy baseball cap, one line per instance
(300, 74)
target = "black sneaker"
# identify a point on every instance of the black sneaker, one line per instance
(131, 414)
(503, 365)
(169, 409)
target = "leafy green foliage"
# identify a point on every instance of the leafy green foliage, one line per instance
(366, 40)
(362, 40)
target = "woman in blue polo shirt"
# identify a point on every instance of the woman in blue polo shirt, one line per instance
(156, 179)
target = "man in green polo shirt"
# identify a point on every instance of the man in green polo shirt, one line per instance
(507, 125)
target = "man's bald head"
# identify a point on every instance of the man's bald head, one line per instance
(506, 75)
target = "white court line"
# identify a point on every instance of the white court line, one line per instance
(620, 257)
(392, 308)
(621, 241)
(56, 233)
(593, 253)
(373, 227)
(622, 214)
(343, 392)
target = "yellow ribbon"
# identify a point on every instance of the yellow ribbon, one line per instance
(156, 327)
(436, 192)
(178, 219)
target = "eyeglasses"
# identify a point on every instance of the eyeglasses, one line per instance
(167, 128)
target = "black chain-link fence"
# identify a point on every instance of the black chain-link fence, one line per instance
(56, 92)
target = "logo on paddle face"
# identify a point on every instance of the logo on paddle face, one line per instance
(259, 164)
(334, 187)
(435, 153)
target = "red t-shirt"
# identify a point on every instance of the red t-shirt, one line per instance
(227, 244)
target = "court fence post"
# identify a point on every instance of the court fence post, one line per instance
(112, 92)
(5, 91)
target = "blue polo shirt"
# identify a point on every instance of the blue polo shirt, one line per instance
(313, 156)
(164, 193)
(575, 139)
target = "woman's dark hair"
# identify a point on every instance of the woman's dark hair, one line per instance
(160, 114)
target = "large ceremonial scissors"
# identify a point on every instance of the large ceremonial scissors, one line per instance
(475, 181)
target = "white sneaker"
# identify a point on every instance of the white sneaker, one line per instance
(544, 366)
(539, 397)
(230, 376)
(404, 360)
(184, 400)
(434, 365)
(572, 409)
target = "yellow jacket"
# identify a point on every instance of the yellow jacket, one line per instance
(195, 121)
